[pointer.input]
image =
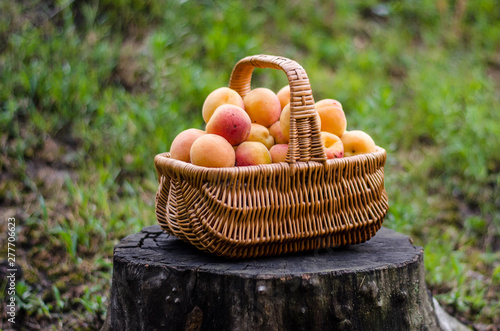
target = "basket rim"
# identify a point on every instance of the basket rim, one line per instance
(164, 159)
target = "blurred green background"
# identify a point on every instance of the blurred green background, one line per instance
(91, 91)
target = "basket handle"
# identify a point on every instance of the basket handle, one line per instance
(305, 138)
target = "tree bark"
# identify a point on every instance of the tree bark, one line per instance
(161, 283)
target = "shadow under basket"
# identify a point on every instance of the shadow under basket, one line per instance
(305, 203)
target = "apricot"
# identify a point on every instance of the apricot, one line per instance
(252, 153)
(181, 145)
(219, 97)
(284, 96)
(278, 153)
(333, 145)
(213, 151)
(263, 106)
(261, 134)
(275, 131)
(330, 102)
(285, 122)
(357, 142)
(332, 116)
(230, 122)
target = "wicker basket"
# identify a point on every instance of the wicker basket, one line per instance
(305, 203)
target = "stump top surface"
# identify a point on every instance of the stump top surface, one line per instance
(153, 247)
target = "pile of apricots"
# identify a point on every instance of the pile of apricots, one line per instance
(255, 130)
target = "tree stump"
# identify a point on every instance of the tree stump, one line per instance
(161, 283)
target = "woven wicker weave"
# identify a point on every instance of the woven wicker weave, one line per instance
(302, 204)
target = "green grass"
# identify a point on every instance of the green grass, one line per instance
(89, 96)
